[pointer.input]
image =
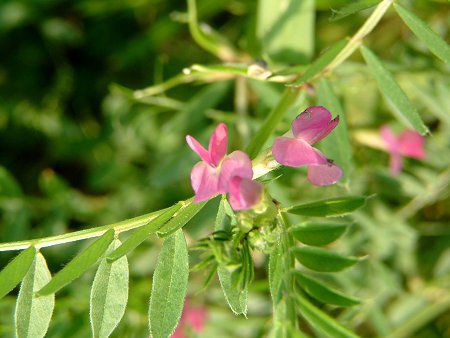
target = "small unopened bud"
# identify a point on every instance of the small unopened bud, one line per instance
(256, 70)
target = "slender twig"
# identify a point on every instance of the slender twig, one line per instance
(356, 40)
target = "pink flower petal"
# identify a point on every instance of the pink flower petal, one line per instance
(325, 174)
(235, 164)
(296, 152)
(193, 317)
(199, 149)
(314, 124)
(395, 163)
(411, 144)
(389, 139)
(204, 181)
(244, 193)
(218, 144)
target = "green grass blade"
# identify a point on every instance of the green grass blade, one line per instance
(13, 273)
(320, 63)
(329, 207)
(142, 234)
(109, 294)
(337, 144)
(322, 292)
(431, 39)
(321, 321)
(80, 264)
(169, 286)
(178, 221)
(352, 8)
(33, 314)
(402, 107)
(322, 260)
(275, 116)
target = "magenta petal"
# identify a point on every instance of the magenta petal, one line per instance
(199, 149)
(244, 193)
(389, 139)
(296, 152)
(411, 144)
(218, 144)
(235, 164)
(313, 124)
(395, 163)
(325, 174)
(204, 181)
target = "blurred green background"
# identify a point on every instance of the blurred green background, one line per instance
(76, 151)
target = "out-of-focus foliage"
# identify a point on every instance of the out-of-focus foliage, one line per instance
(76, 151)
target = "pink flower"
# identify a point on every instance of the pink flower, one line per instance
(244, 193)
(214, 174)
(309, 127)
(409, 143)
(192, 317)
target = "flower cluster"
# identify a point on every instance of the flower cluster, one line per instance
(409, 143)
(219, 173)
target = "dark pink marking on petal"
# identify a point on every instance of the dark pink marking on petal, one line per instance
(199, 149)
(244, 193)
(235, 164)
(294, 152)
(204, 181)
(313, 124)
(218, 144)
(325, 174)
(324, 132)
(411, 144)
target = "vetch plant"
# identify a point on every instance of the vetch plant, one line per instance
(292, 259)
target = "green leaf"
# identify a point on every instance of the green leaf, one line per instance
(322, 260)
(143, 233)
(275, 272)
(352, 8)
(430, 38)
(318, 233)
(402, 107)
(322, 292)
(236, 299)
(109, 294)
(169, 286)
(184, 215)
(286, 29)
(79, 265)
(329, 207)
(337, 144)
(275, 116)
(33, 314)
(321, 321)
(321, 62)
(13, 273)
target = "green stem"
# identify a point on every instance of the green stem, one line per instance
(222, 51)
(365, 29)
(119, 227)
(287, 244)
